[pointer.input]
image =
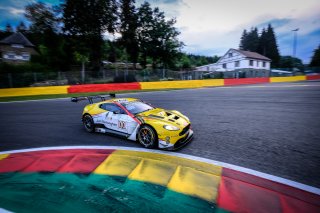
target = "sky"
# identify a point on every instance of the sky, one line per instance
(211, 27)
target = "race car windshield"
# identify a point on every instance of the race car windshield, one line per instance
(136, 107)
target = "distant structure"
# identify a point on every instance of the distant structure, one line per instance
(239, 63)
(16, 49)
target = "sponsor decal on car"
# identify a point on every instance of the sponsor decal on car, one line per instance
(122, 125)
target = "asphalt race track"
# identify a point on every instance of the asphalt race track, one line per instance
(272, 128)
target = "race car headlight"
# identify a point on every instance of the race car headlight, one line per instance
(171, 128)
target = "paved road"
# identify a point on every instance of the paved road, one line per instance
(272, 128)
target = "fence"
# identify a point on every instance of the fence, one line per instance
(10, 80)
(14, 80)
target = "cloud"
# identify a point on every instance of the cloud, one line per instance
(12, 11)
(212, 27)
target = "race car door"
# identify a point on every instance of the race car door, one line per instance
(115, 118)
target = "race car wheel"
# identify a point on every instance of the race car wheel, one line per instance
(88, 123)
(147, 137)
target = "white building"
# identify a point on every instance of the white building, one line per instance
(240, 63)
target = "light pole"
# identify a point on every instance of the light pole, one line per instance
(295, 32)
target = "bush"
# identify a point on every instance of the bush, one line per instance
(23, 68)
(21, 75)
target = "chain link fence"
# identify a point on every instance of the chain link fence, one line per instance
(13, 80)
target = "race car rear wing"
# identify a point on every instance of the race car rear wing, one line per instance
(91, 98)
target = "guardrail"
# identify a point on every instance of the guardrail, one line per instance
(87, 88)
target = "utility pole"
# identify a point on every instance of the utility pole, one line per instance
(295, 32)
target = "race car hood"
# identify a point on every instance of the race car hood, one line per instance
(170, 117)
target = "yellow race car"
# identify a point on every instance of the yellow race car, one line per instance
(136, 120)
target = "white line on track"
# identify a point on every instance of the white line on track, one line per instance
(218, 163)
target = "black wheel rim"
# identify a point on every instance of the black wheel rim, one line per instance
(87, 123)
(146, 136)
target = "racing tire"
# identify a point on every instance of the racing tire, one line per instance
(88, 123)
(147, 137)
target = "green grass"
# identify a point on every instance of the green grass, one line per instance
(39, 97)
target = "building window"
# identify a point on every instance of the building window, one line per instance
(230, 55)
(257, 63)
(251, 62)
(264, 64)
(26, 56)
(237, 63)
(11, 56)
(224, 66)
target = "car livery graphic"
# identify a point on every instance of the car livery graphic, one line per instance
(136, 120)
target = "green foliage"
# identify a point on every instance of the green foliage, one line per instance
(112, 51)
(265, 44)
(42, 18)
(128, 29)
(28, 67)
(86, 21)
(271, 47)
(74, 32)
(290, 62)
(243, 40)
(90, 18)
(81, 58)
(315, 60)
(157, 37)
(21, 75)
(44, 33)
(250, 41)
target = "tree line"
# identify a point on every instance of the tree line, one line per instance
(265, 43)
(76, 31)
(79, 31)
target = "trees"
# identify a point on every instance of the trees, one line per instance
(263, 41)
(82, 59)
(271, 47)
(80, 26)
(87, 21)
(265, 44)
(44, 33)
(243, 40)
(128, 29)
(290, 62)
(249, 41)
(22, 27)
(157, 37)
(315, 60)
(42, 18)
